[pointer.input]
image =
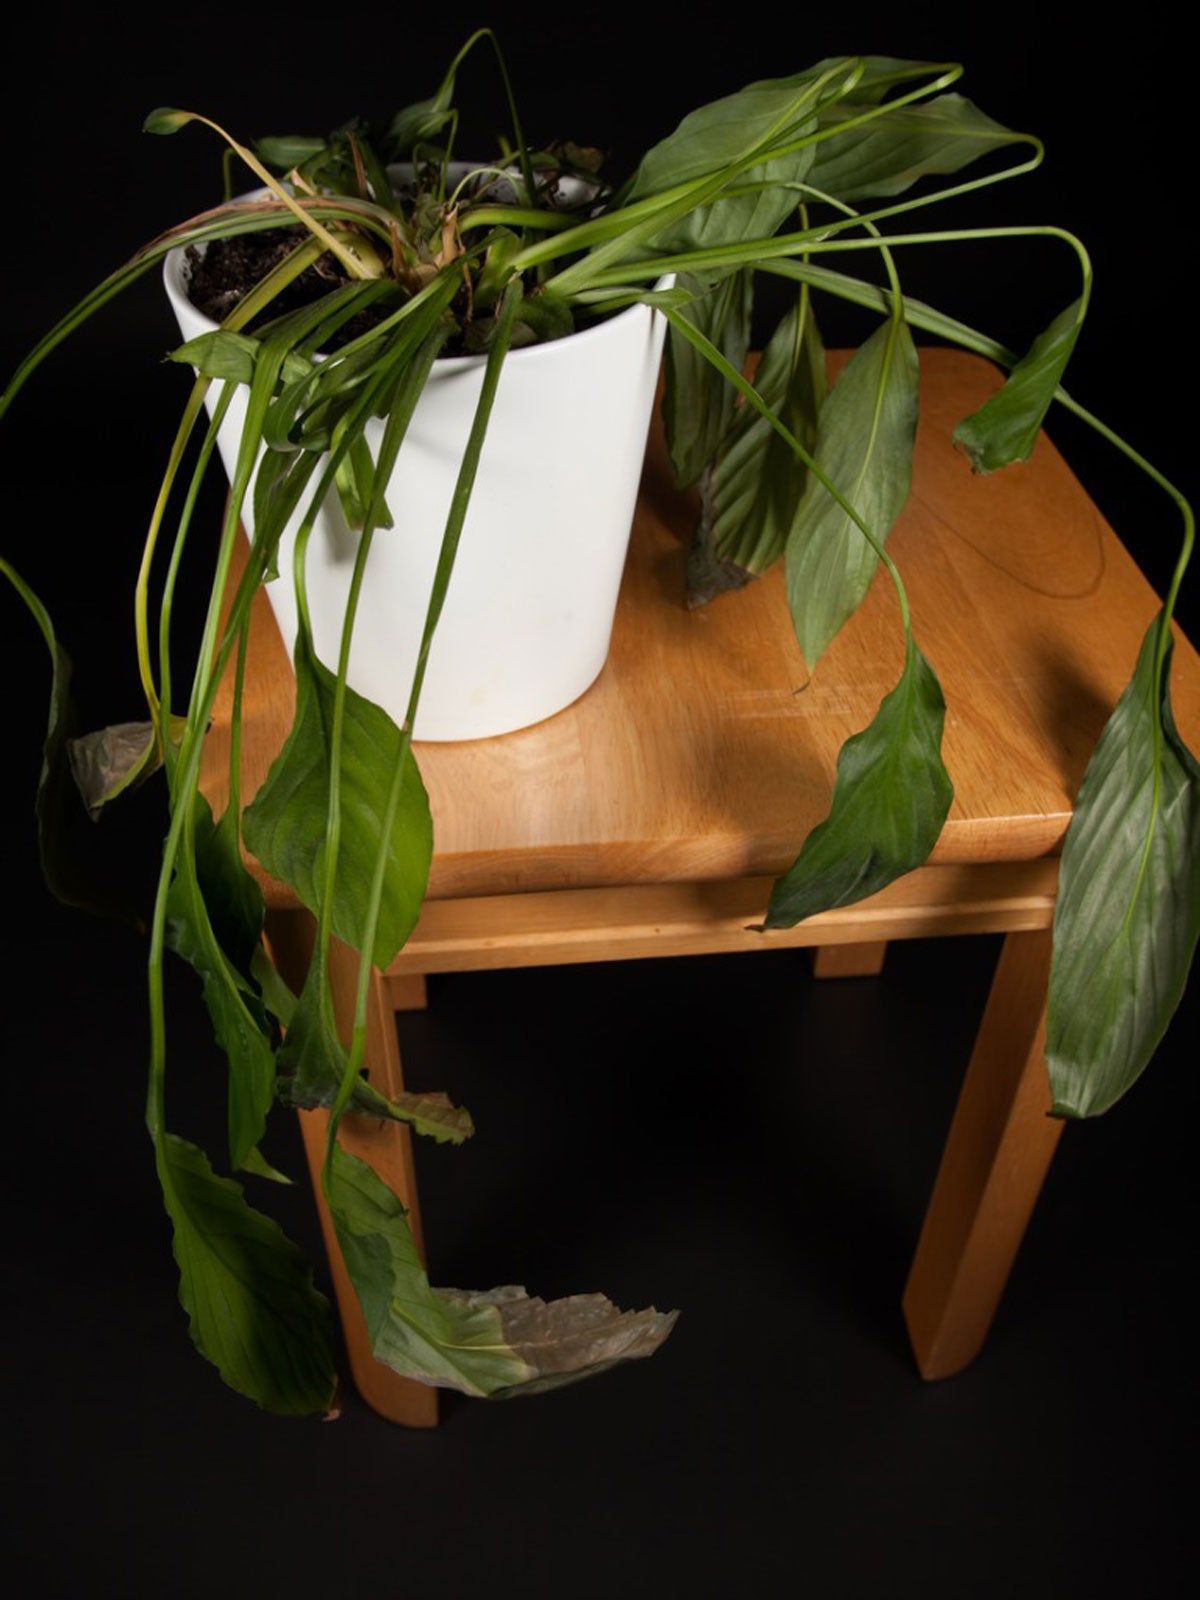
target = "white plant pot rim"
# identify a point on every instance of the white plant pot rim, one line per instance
(175, 281)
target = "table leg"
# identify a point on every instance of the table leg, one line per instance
(386, 1146)
(997, 1153)
(848, 960)
(409, 992)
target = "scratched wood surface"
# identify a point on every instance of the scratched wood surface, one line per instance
(705, 751)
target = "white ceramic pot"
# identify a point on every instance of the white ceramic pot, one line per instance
(527, 620)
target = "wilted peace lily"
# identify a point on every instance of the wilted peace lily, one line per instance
(770, 180)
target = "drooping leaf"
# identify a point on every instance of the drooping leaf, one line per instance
(864, 446)
(288, 150)
(889, 154)
(313, 1063)
(224, 354)
(1005, 428)
(214, 922)
(697, 403)
(416, 124)
(66, 868)
(890, 800)
(1128, 911)
(285, 825)
(740, 216)
(715, 135)
(110, 761)
(496, 1343)
(279, 483)
(220, 222)
(166, 119)
(259, 1167)
(752, 491)
(232, 897)
(248, 1292)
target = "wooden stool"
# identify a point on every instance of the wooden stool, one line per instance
(649, 818)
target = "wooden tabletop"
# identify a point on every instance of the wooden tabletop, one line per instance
(705, 751)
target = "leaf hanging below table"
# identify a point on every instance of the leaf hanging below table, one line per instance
(1128, 912)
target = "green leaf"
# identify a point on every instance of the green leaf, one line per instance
(737, 217)
(247, 1290)
(314, 1062)
(239, 1020)
(890, 800)
(259, 1167)
(166, 119)
(285, 825)
(500, 1342)
(1128, 910)
(231, 896)
(417, 124)
(864, 446)
(65, 868)
(288, 150)
(225, 354)
(888, 155)
(752, 491)
(697, 404)
(722, 132)
(1005, 428)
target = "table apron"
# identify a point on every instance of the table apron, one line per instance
(558, 927)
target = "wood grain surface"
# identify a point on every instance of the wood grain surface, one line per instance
(704, 750)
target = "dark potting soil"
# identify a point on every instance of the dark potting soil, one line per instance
(221, 275)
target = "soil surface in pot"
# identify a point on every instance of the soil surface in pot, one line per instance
(223, 273)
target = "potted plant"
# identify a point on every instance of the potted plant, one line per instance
(370, 270)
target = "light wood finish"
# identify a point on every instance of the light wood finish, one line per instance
(408, 992)
(997, 1154)
(849, 960)
(1023, 599)
(680, 919)
(649, 817)
(386, 1146)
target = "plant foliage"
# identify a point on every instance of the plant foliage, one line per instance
(436, 256)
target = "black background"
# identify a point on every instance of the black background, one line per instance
(721, 1135)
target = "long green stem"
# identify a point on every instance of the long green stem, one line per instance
(166, 604)
(244, 312)
(758, 253)
(446, 558)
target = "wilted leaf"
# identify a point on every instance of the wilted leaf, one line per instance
(1128, 910)
(864, 446)
(313, 1062)
(500, 1342)
(111, 761)
(288, 150)
(714, 135)
(888, 155)
(226, 355)
(166, 119)
(239, 1020)
(697, 403)
(752, 491)
(1005, 428)
(65, 867)
(259, 1167)
(890, 800)
(285, 825)
(247, 1290)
